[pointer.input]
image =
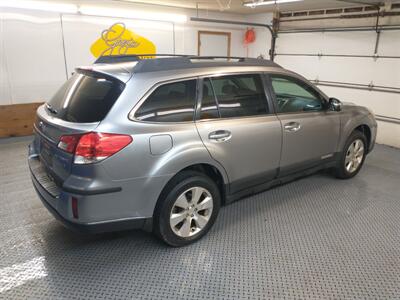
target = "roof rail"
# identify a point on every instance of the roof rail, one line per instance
(137, 57)
(158, 62)
(107, 59)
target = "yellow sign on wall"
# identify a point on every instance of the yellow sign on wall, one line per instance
(118, 40)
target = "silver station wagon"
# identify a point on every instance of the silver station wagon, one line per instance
(161, 143)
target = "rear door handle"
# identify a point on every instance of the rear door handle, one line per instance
(292, 126)
(220, 135)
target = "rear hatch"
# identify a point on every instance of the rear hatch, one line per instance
(77, 108)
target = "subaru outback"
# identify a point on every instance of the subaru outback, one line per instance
(161, 143)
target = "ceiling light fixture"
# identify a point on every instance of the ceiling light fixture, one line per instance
(40, 5)
(259, 3)
(131, 14)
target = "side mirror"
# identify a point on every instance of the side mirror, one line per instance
(335, 104)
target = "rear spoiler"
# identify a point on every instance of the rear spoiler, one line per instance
(120, 72)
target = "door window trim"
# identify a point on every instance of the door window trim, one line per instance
(324, 98)
(200, 100)
(270, 104)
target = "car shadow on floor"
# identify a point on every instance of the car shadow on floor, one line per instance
(67, 239)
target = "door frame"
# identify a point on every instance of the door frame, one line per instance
(314, 162)
(265, 83)
(200, 32)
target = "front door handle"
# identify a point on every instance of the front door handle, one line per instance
(220, 135)
(292, 126)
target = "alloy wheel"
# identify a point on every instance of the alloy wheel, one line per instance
(354, 156)
(191, 212)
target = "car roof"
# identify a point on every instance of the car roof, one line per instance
(123, 66)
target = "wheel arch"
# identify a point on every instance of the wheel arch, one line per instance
(215, 172)
(366, 130)
(353, 125)
(212, 172)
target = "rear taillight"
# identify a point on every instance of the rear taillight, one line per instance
(68, 143)
(93, 146)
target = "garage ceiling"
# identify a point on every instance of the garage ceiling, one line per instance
(236, 6)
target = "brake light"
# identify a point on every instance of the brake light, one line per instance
(68, 143)
(95, 146)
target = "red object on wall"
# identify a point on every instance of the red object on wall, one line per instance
(249, 36)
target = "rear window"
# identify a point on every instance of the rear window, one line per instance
(85, 98)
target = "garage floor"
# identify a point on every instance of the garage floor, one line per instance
(316, 238)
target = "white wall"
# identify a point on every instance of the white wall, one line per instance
(31, 56)
(80, 32)
(40, 49)
(382, 71)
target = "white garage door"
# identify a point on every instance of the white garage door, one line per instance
(343, 65)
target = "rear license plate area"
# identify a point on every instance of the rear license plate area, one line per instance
(46, 155)
(43, 177)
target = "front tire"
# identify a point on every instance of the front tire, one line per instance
(352, 157)
(187, 209)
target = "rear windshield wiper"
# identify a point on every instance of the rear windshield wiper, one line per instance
(51, 109)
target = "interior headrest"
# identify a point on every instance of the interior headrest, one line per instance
(229, 89)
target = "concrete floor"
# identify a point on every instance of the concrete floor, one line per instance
(317, 237)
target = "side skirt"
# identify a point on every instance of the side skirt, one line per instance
(231, 197)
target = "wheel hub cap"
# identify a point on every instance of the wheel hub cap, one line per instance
(354, 156)
(191, 212)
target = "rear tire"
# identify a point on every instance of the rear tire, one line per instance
(352, 157)
(187, 209)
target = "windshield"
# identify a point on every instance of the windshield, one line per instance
(85, 97)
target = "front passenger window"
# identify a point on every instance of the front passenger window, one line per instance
(294, 96)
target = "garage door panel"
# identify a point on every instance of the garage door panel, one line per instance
(388, 133)
(386, 72)
(299, 43)
(355, 43)
(385, 104)
(350, 70)
(305, 66)
(389, 43)
(383, 72)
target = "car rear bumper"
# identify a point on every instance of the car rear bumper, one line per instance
(92, 228)
(59, 206)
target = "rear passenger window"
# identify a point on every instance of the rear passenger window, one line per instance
(172, 102)
(239, 95)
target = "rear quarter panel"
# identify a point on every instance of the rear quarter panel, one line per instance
(143, 174)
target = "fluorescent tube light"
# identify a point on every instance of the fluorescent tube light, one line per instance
(40, 5)
(130, 13)
(270, 2)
